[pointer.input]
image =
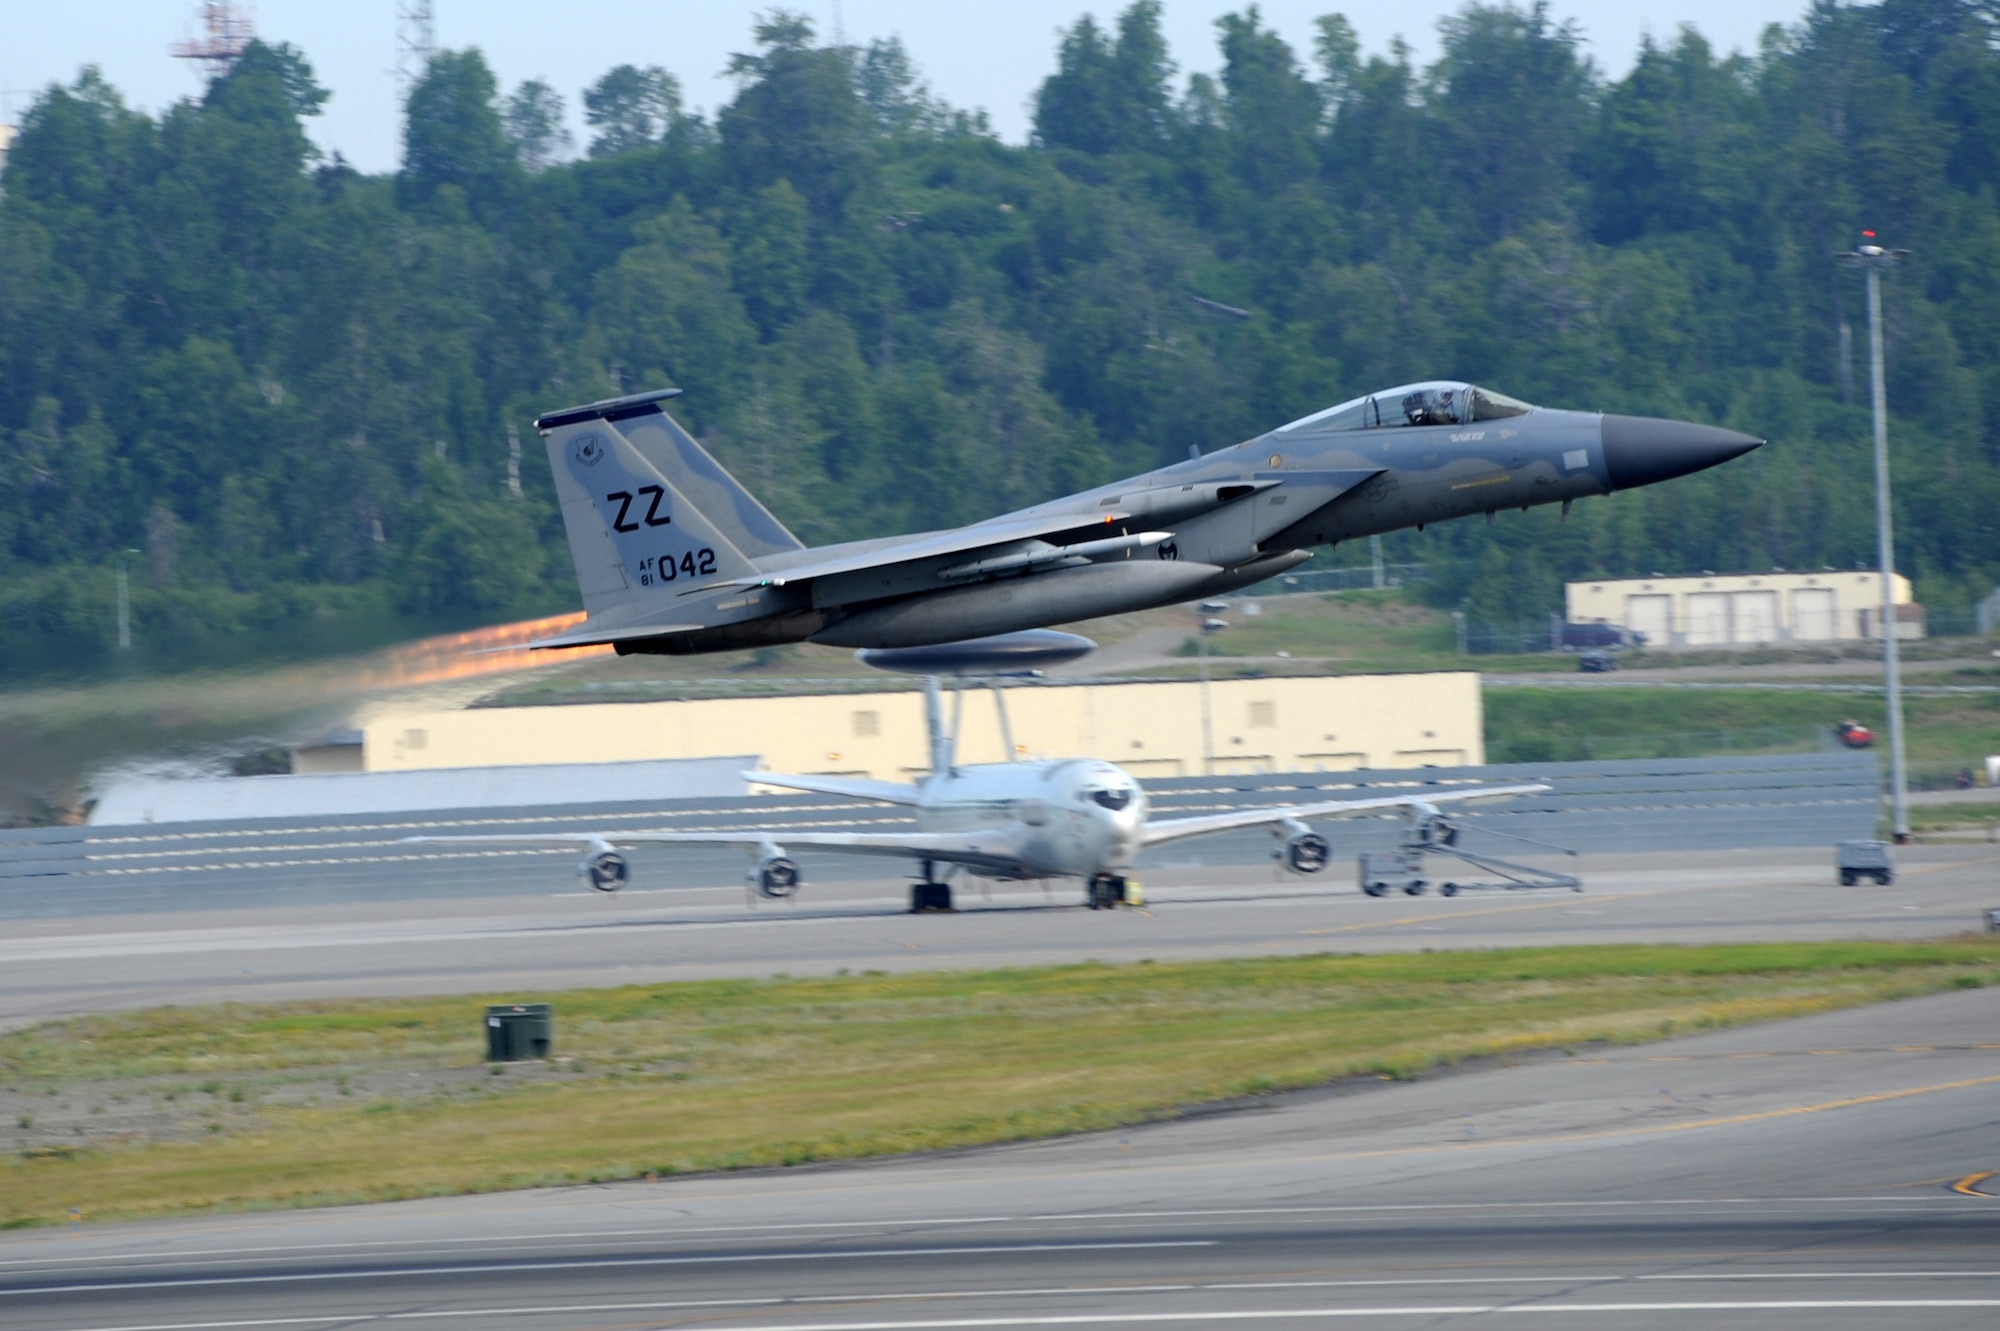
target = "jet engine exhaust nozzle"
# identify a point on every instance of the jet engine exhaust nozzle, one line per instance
(1639, 450)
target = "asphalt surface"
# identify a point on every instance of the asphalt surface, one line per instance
(1828, 1172)
(569, 937)
(1679, 804)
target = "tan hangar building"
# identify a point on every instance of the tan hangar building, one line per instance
(1324, 723)
(1712, 611)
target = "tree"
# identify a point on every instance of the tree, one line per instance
(534, 123)
(898, 101)
(631, 108)
(453, 136)
(770, 257)
(1108, 95)
(1273, 111)
(797, 118)
(1513, 93)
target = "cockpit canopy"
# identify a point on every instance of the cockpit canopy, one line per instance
(1437, 402)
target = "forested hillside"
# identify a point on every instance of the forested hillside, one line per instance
(302, 395)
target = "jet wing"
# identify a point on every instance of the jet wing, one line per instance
(889, 792)
(1160, 831)
(924, 545)
(975, 850)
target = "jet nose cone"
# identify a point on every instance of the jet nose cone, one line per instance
(1639, 450)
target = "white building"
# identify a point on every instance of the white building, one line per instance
(1712, 611)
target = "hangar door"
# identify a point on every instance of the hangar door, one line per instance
(1816, 614)
(1708, 618)
(1652, 617)
(1753, 617)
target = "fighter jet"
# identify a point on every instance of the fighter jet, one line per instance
(675, 557)
(1059, 818)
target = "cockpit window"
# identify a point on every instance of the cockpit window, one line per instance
(1428, 404)
(1356, 415)
(1436, 403)
(1113, 800)
(1488, 405)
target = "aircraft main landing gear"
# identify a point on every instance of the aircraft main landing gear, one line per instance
(1106, 891)
(927, 897)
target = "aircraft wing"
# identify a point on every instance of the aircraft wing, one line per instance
(924, 545)
(889, 792)
(977, 850)
(1162, 830)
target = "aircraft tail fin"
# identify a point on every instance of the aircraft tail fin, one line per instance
(694, 471)
(637, 541)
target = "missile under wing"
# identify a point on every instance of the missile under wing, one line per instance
(674, 556)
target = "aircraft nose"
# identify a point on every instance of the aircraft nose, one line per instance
(1639, 450)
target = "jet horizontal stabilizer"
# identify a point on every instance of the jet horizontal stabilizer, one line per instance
(590, 637)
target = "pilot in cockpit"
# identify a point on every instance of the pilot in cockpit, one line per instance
(1431, 406)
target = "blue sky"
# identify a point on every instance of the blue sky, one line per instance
(975, 53)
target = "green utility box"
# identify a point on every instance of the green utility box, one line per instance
(517, 1031)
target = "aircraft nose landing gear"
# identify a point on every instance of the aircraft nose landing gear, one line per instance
(1106, 891)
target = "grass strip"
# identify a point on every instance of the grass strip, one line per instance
(176, 1110)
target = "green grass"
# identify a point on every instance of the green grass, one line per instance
(1360, 627)
(1555, 725)
(313, 1103)
(1953, 817)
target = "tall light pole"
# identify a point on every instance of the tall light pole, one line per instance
(124, 604)
(1872, 259)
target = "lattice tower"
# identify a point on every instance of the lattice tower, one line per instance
(226, 32)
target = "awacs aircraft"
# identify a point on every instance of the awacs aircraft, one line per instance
(674, 557)
(1059, 818)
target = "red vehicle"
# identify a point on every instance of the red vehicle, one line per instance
(1854, 735)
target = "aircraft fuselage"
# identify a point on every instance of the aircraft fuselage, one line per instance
(1066, 818)
(660, 575)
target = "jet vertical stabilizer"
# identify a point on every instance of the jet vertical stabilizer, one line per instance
(638, 544)
(693, 470)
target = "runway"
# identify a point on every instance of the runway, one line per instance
(519, 945)
(1832, 1171)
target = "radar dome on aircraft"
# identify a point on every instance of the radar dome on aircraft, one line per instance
(999, 654)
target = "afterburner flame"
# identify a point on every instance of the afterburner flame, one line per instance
(495, 649)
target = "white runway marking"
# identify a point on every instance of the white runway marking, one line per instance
(1112, 1319)
(1782, 1205)
(585, 1264)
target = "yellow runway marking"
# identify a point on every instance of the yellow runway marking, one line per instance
(1733, 1120)
(1469, 914)
(1948, 864)
(1969, 1185)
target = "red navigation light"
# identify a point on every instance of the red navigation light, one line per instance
(1869, 234)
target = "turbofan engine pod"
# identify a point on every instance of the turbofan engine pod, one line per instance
(606, 870)
(1307, 853)
(777, 877)
(1438, 831)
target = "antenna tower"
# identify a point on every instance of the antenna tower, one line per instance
(227, 30)
(416, 40)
